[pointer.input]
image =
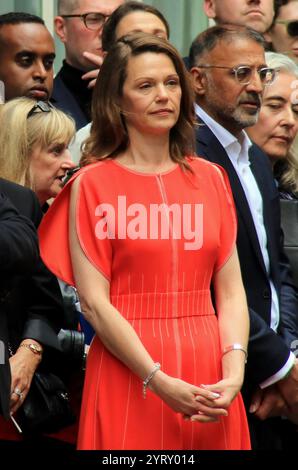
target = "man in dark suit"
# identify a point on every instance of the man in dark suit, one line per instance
(229, 72)
(31, 308)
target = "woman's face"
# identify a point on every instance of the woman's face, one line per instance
(48, 166)
(277, 125)
(279, 36)
(141, 22)
(151, 94)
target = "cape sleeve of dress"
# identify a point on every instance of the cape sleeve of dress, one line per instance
(228, 219)
(54, 231)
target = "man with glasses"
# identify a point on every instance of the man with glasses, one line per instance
(284, 32)
(229, 74)
(79, 26)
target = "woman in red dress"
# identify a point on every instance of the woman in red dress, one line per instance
(142, 233)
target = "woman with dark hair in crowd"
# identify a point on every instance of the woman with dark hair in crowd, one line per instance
(128, 18)
(143, 230)
(133, 17)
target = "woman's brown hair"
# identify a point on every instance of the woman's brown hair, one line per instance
(108, 135)
(109, 29)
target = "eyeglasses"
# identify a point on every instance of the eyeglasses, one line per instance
(40, 106)
(243, 73)
(92, 21)
(292, 27)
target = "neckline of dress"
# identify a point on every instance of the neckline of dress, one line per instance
(144, 173)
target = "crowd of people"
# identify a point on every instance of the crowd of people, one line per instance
(148, 211)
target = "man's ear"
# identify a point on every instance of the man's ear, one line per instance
(209, 8)
(60, 28)
(198, 80)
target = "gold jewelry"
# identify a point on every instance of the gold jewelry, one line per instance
(235, 347)
(150, 377)
(32, 347)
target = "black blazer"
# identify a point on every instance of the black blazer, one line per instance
(267, 351)
(289, 223)
(18, 240)
(18, 252)
(63, 99)
(30, 305)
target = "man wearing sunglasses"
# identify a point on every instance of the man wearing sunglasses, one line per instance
(79, 26)
(284, 32)
(229, 75)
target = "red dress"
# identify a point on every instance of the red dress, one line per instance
(167, 235)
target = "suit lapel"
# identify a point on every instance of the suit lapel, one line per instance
(214, 152)
(265, 190)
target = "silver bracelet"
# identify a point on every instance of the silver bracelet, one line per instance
(150, 377)
(235, 347)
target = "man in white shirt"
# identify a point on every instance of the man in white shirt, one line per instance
(229, 74)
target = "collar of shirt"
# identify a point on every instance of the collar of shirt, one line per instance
(237, 149)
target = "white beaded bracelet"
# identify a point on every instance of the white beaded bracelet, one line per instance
(235, 347)
(150, 377)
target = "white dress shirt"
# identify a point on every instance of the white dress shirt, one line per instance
(237, 151)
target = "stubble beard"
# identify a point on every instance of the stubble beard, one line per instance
(229, 116)
(245, 119)
(233, 118)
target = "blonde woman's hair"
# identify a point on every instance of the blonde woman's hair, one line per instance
(282, 62)
(288, 168)
(20, 133)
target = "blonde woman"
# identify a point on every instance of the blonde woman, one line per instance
(34, 139)
(277, 127)
(276, 132)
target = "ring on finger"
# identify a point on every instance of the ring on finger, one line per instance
(18, 392)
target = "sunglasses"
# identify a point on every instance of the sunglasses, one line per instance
(41, 107)
(292, 27)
